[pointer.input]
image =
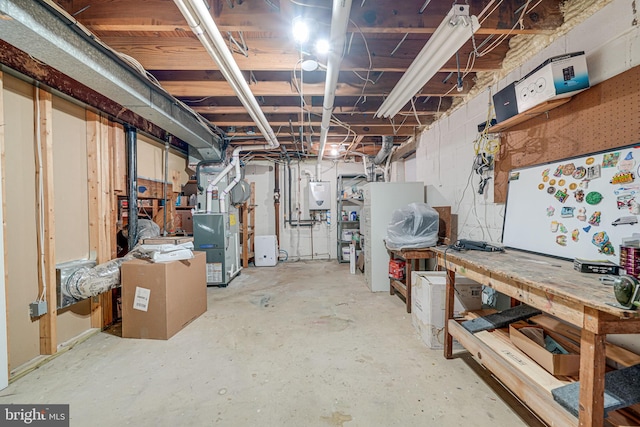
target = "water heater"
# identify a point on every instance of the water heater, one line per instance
(319, 196)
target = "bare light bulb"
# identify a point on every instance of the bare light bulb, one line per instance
(300, 30)
(323, 47)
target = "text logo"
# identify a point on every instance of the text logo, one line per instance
(34, 415)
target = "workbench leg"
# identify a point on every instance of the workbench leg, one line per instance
(592, 368)
(448, 312)
(392, 290)
(407, 280)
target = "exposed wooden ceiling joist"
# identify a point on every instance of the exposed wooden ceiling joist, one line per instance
(383, 38)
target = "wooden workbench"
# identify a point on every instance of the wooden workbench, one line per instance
(412, 257)
(553, 286)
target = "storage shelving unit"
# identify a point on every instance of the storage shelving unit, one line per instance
(184, 211)
(247, 214)
(350, 199)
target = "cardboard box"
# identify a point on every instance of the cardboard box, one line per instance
(159, 299)
(557, 77)
(428, 303)
(186, 220)
(556, 364)
(168, 240)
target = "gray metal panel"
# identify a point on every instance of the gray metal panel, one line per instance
(35, 29)
(209, 231)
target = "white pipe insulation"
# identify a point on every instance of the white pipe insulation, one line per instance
(212, 185)
(339, 23)
(203, 26)
(234, 161)
(199, 19)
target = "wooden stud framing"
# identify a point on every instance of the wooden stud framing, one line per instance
(106, 212)
(93, 162)
(45, 206)
(115, 134)
(100, 207)
(119, 159)
(4, 216)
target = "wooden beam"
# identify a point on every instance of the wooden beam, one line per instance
(186, 53)
(4, 218)
(405, 150)
(344, 105)
(359, 130)
(119, 158)
(107, 214)
(96, 203)
(284, 88)
(45, 206)
(114, 135)
(284, 119)
(383, 16)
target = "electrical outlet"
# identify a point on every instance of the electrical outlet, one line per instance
(38, 308)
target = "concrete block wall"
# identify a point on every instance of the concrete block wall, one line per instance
(445, 152)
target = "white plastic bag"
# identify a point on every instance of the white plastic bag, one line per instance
(413, 226)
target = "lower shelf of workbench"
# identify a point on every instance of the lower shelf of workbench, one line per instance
(519, 373)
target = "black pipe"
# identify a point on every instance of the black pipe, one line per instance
(276, 200)
(132, 177)
(289, 190)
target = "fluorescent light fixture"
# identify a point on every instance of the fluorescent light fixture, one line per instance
(454, 31)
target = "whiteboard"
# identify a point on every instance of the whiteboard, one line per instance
(553, 208)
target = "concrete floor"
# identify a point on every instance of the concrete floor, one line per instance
(300, 344)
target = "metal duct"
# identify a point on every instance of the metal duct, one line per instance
(241, 192)
(339, 24)
(48, 34)
(387, 145)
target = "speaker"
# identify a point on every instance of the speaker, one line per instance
(505, 103)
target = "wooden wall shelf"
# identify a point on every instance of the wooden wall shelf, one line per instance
(529, 114)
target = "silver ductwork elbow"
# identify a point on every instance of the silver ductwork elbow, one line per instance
(387, 145)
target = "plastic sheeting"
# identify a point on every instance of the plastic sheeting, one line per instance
(413, 226)
(89, 282)
(147, 229)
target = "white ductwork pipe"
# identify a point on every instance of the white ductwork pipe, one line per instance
(212, 185)
(387, 145)
(339, 24)
(234, 161)
(199, 19)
